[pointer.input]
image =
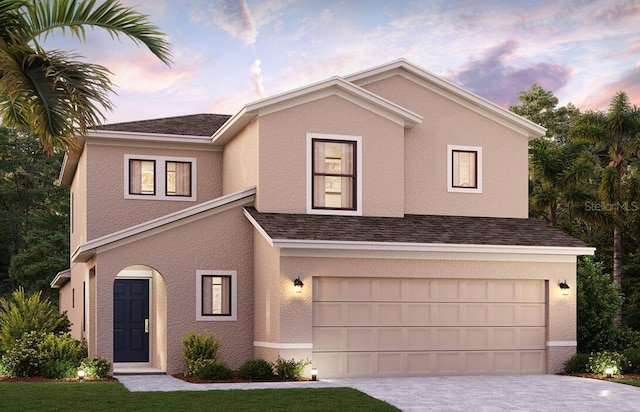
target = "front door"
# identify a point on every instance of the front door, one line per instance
(131, 320)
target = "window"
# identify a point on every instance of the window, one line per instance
(178, 178)
(334, 174)
(142, 177)
(159, 178)
(216, 293)
(465, 169)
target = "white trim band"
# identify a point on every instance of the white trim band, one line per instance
(275, 345)
(562, 343)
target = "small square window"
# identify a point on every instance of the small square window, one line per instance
(464, 169)
(216, 294)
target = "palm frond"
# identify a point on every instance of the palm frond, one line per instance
(45, 16)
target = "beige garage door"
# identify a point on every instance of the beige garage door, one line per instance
(414, 327)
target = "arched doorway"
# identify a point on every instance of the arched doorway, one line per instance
(139, 317)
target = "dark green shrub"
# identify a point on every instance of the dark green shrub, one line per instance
(599, 362)
(578, 363)
(25, 358)
(598, 304)
(24, 314)
(290, 369)
(208, 369)
(62, 355)
(256, 370)
(96, 367)
(633, 356)
(198, 347)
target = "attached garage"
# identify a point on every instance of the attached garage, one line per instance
(418, 326)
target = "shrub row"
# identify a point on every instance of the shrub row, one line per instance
(200, 352)
(598, 362)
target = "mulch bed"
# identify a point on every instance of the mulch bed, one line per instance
(41, 379)
(602, 377)
(234, 379)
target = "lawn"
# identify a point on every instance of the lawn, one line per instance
(112, 396)
(632, 382)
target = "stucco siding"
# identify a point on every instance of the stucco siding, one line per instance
(446, 122)
(240, 160)
(107, 209)
(218, 242)
(78, 204)
(283, 155)
(267, 297)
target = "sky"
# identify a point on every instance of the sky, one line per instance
(228, 53)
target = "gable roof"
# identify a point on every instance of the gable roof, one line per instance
(86, 250)
(415, 232)
(449, 90)
(203, 124)
(333, 86)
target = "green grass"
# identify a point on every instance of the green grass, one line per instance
(112, 396)
(632, 382)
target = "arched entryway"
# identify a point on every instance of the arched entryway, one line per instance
(139, 317)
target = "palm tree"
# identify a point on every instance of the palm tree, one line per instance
(50, 93)
(617, 132)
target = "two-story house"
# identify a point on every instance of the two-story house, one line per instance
(375, 224)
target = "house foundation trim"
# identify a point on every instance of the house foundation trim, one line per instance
(562, 343)
(276, 345)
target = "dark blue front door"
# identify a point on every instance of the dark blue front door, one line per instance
(131, 320)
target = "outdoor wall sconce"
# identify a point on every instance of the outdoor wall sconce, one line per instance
(314, 374)
(297, 285)
(81, 375)
(564, 288)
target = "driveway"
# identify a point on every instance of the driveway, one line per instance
(535, 393)
(538, 393)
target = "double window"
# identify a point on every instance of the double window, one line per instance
(159, 178)
(465, 169)
(216, 293)
(334, 174)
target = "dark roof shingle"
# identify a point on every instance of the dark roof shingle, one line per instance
(419, 229)
(203, 124)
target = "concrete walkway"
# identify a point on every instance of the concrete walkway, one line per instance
(535, 393)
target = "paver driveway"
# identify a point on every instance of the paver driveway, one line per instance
(538, 393)
(535, 393)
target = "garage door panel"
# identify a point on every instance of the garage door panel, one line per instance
(412, 326)
(426, 338)
(362, 364)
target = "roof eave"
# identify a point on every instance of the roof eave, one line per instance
(60, 279)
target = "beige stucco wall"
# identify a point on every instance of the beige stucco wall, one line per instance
(78, 210)
(107, 209)
(219, 242)
(445, 122)
(283, 155)
(240, 160)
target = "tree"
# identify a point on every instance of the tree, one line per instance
(34, 213)
(617, 133)
(50, 93)
(539, 106)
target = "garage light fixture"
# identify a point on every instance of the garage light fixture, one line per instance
(297, 285)
(564, 288)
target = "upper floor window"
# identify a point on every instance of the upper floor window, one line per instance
(159, 178)
(334, 174)
(465, 169)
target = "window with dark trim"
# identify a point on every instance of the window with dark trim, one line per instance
(178, 178)
(142, 177)
(334, 177)
(216, 295)
(464, 173)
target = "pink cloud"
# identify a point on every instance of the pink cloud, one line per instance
(601, 95)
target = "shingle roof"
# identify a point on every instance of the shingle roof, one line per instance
(203, 124)
(419, 229)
